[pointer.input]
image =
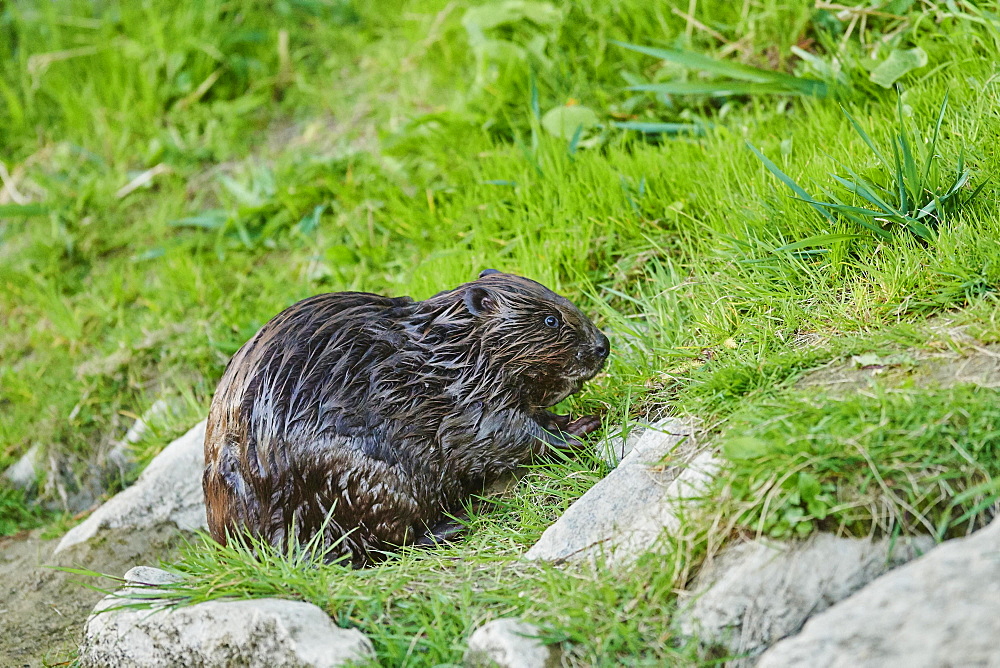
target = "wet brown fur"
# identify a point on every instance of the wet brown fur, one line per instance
(386, 413)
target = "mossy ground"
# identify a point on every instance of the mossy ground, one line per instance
(175, 174)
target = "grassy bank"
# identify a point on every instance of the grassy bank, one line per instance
(174, 176)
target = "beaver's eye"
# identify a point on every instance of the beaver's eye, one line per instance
(552, 321)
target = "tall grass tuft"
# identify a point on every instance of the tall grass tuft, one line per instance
(913, 192)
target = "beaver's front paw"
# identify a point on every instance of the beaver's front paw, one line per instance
(583, 425)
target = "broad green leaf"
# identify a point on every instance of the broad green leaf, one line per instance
(149, 254)
(809, 487)
(243, 195)
(310, 221)
(898, 64)
(897, 7)
(501, 51)
(564, 121)
(868, 359)
(921, 230)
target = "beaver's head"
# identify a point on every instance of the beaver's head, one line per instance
(547, 347)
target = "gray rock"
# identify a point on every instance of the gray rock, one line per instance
(942, 609)
(118, 456)
(252, 633)
(624, 515)
(510, 643)
(149, 576)
(169, 490)
(23, 474)
(756, 593)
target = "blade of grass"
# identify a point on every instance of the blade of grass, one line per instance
(817, 240)
(734, 70)
(720, 88)
(663, 128)
(788, 181)
(865, 190)
(864, 137)
(900, 181)
(22, 210)
(934, 138)
(911, 181)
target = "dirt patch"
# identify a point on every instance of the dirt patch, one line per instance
(976, 365)
(43, 610)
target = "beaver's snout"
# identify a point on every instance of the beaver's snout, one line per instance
(603, 347)
(590, 358)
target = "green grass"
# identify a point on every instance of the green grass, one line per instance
(900, 460)
(18, 514)
(420, 607)
(913, 194)
(307, 146)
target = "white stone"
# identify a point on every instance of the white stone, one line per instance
(616, 446)
(510, 643)
(259, 633)
(756, 593)
(169, 490)
(942, 609)
(625, 514)
(23, 474)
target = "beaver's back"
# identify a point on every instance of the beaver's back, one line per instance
(299, 417)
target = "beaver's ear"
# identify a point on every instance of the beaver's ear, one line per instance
(487, 272)
(479, 300)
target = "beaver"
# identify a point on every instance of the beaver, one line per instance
(371, 419)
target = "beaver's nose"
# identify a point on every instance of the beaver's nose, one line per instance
(603, 346)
